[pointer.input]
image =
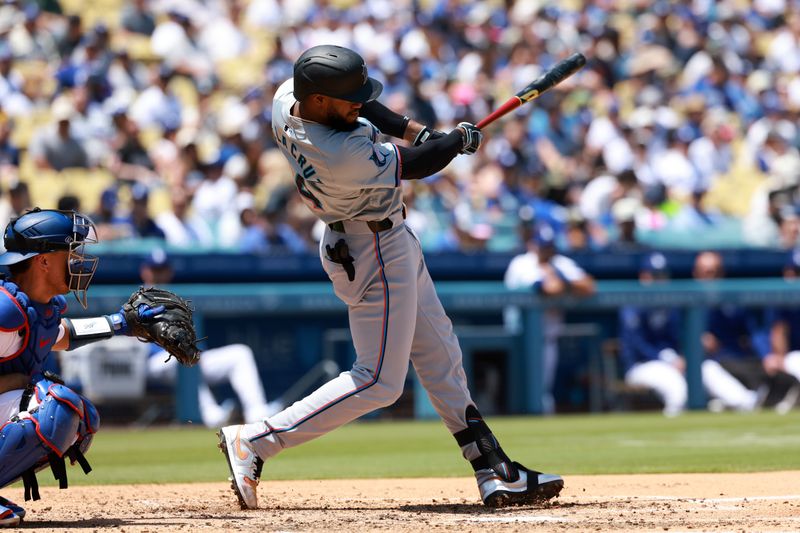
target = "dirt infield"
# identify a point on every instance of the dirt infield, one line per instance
(706, 502)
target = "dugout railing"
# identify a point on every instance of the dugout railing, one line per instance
(476, 299)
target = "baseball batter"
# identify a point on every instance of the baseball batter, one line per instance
(327, 123)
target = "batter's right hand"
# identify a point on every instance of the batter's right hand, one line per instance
(472, 137)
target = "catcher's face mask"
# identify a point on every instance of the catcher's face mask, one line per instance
(80, 265)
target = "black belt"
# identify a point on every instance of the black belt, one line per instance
(375, 226)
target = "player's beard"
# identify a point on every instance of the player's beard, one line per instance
(340, 123)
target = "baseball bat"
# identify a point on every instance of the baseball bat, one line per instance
(560, 71)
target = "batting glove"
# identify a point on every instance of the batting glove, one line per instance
(472, 138)
(426, 134)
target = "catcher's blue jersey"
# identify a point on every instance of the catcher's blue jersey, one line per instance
(37, 325)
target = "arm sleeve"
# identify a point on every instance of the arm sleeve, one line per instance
(385, 119)
(431, 157)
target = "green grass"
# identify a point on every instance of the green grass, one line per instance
(601, 444)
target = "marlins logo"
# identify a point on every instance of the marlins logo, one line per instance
(378, 157)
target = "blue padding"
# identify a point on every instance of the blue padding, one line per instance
(59, 416)
(91, 418)
(20, 449)
(12, 317)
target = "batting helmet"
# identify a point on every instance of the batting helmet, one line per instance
(41, 231)
(334, 71)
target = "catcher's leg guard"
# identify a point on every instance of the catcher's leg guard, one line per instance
(49, 431)
(501, 481)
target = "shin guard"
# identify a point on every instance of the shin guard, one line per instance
(481, 449)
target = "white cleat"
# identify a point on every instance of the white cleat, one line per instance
(529, 488)
(244, 464)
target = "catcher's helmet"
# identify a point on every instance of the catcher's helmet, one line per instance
(334, 71)
(48, 230)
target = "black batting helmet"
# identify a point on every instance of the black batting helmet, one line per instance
(334, 71)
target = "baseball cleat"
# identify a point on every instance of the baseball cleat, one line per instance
(8, 518)
(244, 464)
(8, 504)
(530, 487)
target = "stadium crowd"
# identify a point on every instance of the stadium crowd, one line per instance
(684, 121)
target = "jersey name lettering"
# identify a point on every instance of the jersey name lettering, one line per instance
(306, 170)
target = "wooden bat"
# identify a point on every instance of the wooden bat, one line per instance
(560, 71)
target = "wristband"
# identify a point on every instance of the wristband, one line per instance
(83, 331)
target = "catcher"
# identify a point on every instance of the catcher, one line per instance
(46, 422)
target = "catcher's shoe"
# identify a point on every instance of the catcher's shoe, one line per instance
(244, 464)
(9, 518)
(8, 504)
(530, 487)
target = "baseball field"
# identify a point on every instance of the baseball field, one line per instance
(643, 472)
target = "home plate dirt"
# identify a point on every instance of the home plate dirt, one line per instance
(667, 502)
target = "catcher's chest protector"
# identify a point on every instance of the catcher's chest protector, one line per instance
(36, 323)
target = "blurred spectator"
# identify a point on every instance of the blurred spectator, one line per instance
(139, 220)
(183, 228)
(136, 17)
(577, 236)
(735, 338)
(19, 197)
(545, 272)
(9, 153)
(157, 105)
(712, 153)
(69, 202)
(625, 212)
(30, 38)
(650, 352)
(232, 364)
(126, 76)
(175, 41)
(268, 231)
(13, 99)
(55, 147)
(110, 223)
(129, 159)
(693, 215)
(221, 37)
(215, 197)
(70, 38)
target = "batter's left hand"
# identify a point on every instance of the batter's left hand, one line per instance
(472, 137)
(426, 134)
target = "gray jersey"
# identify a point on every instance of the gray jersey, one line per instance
(342, 175)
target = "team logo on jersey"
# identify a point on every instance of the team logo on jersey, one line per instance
(379, 157)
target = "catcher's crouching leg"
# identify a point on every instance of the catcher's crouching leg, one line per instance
(60, 426)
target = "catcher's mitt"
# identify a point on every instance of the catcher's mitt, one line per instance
(163, 317)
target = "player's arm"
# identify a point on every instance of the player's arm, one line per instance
(77, 332)
(433, 155)
(396, 125)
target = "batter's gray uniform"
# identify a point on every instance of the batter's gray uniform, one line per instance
(352, 182)
(350, 178)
